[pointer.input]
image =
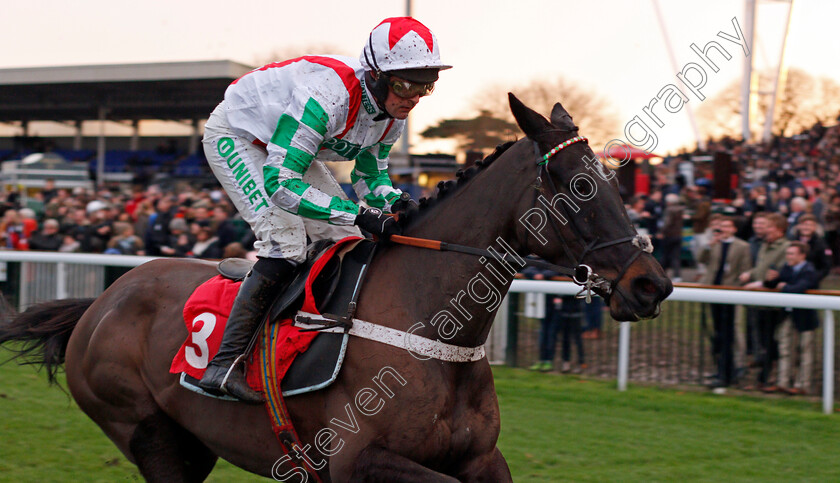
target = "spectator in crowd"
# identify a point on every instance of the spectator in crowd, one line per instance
(11, 230)
(798, 208)
(99, 230)
(206, 243)
(562, 314)
(671, 235)
(179, 244)
(27, 219)
(702, 243)
(783, 201)
(48, 239)
(223, 226)
(568, 312)
(69, 244)
(548, 325)
(807, 231)
(638, 215)
(594, 313)
(77, 225)
(832, 228)
(726, 258)
(143, 210)
(234, 250)
(759, 224)
(158, 235)
(796, 276)
(700, 207)
(49, 192)
(125, 241)
(771, 256)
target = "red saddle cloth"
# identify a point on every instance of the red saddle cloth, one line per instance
(206, 313)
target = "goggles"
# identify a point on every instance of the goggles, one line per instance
(407, 90)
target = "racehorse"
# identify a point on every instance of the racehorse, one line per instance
(391, 415)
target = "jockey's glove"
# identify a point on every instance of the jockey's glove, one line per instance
(375, 222)
(403, 204)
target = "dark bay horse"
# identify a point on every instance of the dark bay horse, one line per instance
(391, 415)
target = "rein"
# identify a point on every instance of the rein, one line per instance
(581, 274)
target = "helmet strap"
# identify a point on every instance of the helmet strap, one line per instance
(379, 89)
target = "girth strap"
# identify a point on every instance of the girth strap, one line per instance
(418, 345)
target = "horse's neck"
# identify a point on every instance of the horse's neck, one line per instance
(455, 296)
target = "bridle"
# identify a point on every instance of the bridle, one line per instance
(581, 274)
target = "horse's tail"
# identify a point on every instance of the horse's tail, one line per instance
(44, 330)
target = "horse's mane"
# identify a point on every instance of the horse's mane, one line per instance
(446, 188)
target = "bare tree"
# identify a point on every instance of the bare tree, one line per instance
(492, 121)
(805, 101)
(592, 113)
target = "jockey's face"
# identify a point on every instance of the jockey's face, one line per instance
(399, 107)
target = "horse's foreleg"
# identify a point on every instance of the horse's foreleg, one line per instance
(491, 467)
(378, 464)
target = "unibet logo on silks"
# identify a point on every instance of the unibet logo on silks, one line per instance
(240, 172)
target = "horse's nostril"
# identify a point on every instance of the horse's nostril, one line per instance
(645, 286)
(650, 288)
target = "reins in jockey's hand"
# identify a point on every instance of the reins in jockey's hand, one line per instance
(372, 220)
(581, 274)
(403, 204)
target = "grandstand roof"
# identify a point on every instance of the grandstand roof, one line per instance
(171, 90)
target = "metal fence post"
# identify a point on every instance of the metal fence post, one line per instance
(512, 331)
(623, 354)
(828, 363)
(60, 280)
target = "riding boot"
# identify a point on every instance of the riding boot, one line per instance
(257, 292)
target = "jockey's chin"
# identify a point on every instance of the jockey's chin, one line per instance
(398, 107)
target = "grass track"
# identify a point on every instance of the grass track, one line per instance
(554, 428)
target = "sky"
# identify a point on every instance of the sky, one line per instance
(614, 47)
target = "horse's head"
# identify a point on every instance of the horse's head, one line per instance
(574, 216)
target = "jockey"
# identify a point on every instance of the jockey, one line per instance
(265, 143)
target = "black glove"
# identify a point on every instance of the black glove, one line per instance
(377, 223)
(403, 204)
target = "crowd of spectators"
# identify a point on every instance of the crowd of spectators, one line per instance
(182, 222)
(779, 229)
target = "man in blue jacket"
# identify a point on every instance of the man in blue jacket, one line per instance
(796, 276)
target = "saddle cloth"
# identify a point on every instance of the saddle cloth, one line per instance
(280, 343)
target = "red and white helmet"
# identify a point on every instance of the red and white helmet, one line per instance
(401, 43)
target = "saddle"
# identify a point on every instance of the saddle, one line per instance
(332, 291)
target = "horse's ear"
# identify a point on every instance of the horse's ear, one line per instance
(561, 118)
(530, 121)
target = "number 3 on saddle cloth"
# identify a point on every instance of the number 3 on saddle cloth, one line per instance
(286, 359)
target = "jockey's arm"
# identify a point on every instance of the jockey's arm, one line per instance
(370, 178)
(292, 148)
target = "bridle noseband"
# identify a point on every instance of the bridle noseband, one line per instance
(582, 274)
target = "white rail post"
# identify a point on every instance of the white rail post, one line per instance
(623, 354)
(61, 280)
(828, 363)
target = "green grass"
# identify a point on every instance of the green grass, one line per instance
(557, 428)
(554, 428)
